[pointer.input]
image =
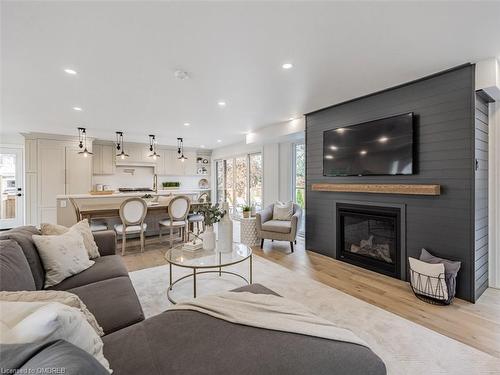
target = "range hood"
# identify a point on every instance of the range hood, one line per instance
(133, 163)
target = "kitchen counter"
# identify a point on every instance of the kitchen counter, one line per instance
(135, 194)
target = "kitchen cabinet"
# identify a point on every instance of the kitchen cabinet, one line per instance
(103, 159)
(169, 164)
(78, 172)
(59, 170)
(138, 154)
(190, 165)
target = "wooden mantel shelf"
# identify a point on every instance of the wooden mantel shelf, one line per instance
(408, 189)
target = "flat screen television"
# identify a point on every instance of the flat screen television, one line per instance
(379, 147)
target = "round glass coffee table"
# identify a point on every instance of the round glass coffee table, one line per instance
(201, 261)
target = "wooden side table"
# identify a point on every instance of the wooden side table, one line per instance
(248, 231)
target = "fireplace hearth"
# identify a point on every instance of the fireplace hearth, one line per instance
(370, 237)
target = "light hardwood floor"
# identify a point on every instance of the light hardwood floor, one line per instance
(477, 325)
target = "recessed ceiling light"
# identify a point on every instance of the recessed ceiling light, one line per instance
(70, 71)
(77, 108)
(334, 148)
(219, 140)
(181, 74)
(221, 103)
(187, 124)
(383, 139)
(287, 66)
(362, 152)
(340, 130)
(329, 157)
(202, 146)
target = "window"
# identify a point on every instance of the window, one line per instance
(239, 181)
(300, 182)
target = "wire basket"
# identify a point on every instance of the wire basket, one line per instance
(438, 290)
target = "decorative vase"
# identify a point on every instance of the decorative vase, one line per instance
(208, 238)
(225, 244)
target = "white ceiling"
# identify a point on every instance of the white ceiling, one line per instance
(126, 53)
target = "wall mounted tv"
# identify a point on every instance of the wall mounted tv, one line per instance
(379, 147)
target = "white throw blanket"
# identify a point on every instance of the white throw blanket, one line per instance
(269, 312)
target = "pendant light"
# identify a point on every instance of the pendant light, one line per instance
(120, 145)
(180, 149)
(82, 143)
(152, 147)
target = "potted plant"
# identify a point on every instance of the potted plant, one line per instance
(246, 211)
(171, 185)
(211, 214)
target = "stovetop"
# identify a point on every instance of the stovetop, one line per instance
(133, 190)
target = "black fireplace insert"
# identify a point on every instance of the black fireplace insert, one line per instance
(369, 237)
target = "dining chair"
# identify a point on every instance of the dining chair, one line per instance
(178, 210)
(132, 213)
(95, 225)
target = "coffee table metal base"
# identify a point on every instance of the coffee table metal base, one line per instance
(196, 273)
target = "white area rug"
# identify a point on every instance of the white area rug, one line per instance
(405, 347)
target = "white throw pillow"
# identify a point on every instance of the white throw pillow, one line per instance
(82, 227)
(62, 256)
(428, 286)
(43, 322)
(66, 298)
(283, 211)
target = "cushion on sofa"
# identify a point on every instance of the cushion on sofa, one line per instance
(272, 352)
(62, 255)
(113, 302)
(15, 272)
(34, 357)
(81, 227)
(279, 226)
(106, 267)
(22, 235)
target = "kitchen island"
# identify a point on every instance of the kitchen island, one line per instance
(105, 208)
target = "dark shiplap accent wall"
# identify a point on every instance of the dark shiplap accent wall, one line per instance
(481, 197)
(444, 136)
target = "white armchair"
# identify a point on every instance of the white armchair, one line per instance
(280, 230)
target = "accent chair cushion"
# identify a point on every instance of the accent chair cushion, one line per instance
(130, 228)
(283, 211)
(15, 272)
(81, 227)
(23, 236)
(62, 256)
(176, 223)
(278, 226)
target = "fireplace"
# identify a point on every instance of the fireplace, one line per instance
(370, 237)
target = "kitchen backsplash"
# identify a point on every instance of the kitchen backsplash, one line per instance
(142, 177)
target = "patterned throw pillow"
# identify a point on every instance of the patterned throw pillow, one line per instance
(62, 256)
(82, 227)
(66, 298)
(283, 211)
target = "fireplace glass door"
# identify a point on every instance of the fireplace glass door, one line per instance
(369, 237)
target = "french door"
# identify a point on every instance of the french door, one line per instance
(11, 187)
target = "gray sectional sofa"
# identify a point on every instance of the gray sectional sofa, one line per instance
(178, 342)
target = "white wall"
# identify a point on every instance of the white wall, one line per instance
(494, 196)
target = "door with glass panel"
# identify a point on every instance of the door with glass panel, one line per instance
(11, 188)
(300, 182)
